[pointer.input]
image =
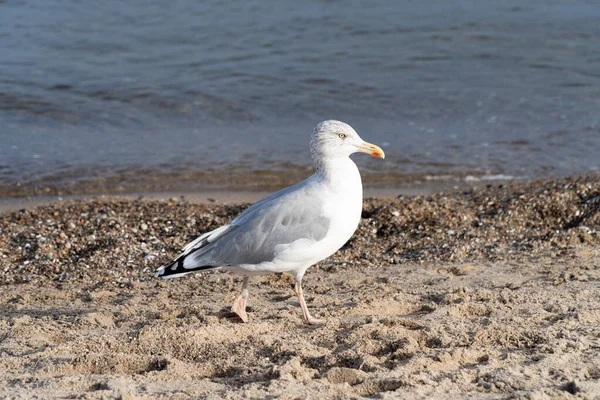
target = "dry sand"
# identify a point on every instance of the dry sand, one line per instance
(490, 293)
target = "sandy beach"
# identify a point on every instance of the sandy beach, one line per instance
(490, 292)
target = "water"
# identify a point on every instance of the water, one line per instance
(153, 95)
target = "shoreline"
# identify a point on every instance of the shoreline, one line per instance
(140, 182)
(8, 204)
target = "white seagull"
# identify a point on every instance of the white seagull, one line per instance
(293, 228)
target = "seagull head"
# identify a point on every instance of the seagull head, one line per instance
(335, 139)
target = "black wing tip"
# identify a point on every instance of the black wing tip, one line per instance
(175, 269)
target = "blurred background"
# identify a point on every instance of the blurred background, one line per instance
(184, 95)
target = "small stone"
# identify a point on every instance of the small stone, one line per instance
(144, 227)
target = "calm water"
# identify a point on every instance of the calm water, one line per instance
(189, 94)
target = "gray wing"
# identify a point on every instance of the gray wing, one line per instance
(281, 218)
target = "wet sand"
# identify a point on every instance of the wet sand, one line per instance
(228, 196)
(490, 292)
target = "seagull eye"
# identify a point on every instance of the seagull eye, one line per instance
(342, 135)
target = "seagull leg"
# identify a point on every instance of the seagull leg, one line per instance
(307, 317)
(239, 304)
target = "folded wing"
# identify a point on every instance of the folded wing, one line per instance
(258, 234)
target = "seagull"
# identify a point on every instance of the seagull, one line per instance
(293, 228)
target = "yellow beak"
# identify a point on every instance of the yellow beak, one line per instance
(371, 149)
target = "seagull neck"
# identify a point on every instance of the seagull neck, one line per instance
(333, 170)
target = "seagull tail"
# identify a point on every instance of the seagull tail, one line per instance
(175, 269)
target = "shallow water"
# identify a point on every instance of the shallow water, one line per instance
(148, 95)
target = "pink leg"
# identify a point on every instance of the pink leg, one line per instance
(239, 304)
(307, 317)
